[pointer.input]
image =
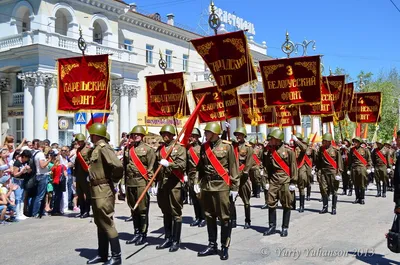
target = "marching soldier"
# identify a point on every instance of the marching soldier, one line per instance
(310, 163)
(330, 165)
(382, 167)
(392, 159)
(193, 157)
(244, 154)
(139, 160)
(255, 171)
(219, 182)
(347, 181)
(105, 170)
(303, 165)
(82, 176)
(170, 180)
(282, 173)
(359, 166)
(264, 173)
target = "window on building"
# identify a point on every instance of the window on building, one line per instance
(19, 130)
(185, 62)
(128, 45)
(19, 86)
(168, 58)
(149, 53)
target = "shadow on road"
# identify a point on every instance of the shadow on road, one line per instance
(193, 246)
(125, 236)
(86, 252)
(373, 258)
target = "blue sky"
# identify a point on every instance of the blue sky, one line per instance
(354, 34)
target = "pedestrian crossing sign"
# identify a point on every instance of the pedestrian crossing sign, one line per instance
(80, 118)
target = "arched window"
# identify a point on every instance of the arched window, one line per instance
(23, 20)
(62, 21)
(98, 31)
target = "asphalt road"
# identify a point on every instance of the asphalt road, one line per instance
(356, 235)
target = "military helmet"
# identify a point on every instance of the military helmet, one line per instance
(213, 127)
(252, 141)
(98, 129)
(269, 137)
(196, 131)
(80, 137)
(108, 137)
(357, 139)
(299, 136)
(307, 141)
(327, 137)
(168, 128)
(380, 141)
(138, 130)
(241, 130)
(277, 134)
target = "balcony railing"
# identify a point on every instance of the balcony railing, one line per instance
(65, 43)
(18, 99)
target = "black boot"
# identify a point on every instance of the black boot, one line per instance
(258, 191)
(344, 192)
(350, 191)
(195, 222)
(378, 189)
(384, 190)
(226, 230)
(202, 223)
(362, 195)
(233, 212)
(136, 227)
(272, 222)
(102, 251)
(357, 191)
(144, 219)
(265, 206)
(212, 248)
(308, 192)
(285, 222)
(115, 252)
(168, 230)
(129, 219)
(302, 198)
(176, 236)
(247, 220)
(294, 201)
(334, 201)
(325, 205)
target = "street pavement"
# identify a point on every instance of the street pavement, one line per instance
(356, 235)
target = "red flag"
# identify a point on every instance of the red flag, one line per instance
(189, 125)
(358, 130)
(314, 137)
(395, 133)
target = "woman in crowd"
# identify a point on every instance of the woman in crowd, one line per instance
(21, 173)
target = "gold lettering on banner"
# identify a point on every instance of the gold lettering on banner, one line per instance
(238, 43)
(165, 98)
(85, 86)
(292, 95)
(65, 69)
(204, 49)
(228, 64)
(292, 83)
(363, 117)
(101, 66)
(168, 109)
(225, 80)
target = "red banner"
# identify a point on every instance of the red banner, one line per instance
(366, 107)
(216, 107)
(287, 116)
(294, 81)
(228, 58)
(166, 95)
(331, 97)
(347, 96)
(254, 110)
(84, 84)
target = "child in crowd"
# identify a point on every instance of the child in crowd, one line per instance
(59, 176)
(7, 198)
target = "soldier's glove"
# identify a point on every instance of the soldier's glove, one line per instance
(393, 167)
(227, 125)
(154, 190)
(123, 189)
(369, 171)
(348, 172)
(267, 186)
(116, 186)
(388, 170)
(196, 188)
(87, 179)
(164, 163)
(292, 187)
(262, 172)
(234, 194)
(185, 178)
(294, 138)
(313, 172)
(338, 178)
(372, 170)
(344, 156)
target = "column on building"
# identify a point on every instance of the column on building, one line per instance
(262, 128)
(299, 129)
(133, 92)
(52, 99)
(288, 134)
(124, 108)
(39, 105)
(5, 94)
(315, 125)
(28, 79)
(111, 126)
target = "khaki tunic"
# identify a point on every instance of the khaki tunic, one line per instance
(278, 179)
(379, 165)
(214, 190)
(134, 180)
(105, 168)
(345, 152)
(303, 181)
(82, 185)
(357, 168)
(169, 185)
(328, 173)
(191, 165)
(393, 159)
(245, 156)
(255, 175)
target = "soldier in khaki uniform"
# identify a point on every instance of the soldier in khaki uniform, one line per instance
(282, 173)
(219, 182)
(347, 181)
(244, 154)
(311, 154)
(193, 158)
(105, 169)
(170, 180)
(382, 167)
(81, 173)
(255, 171)
(392, 159)
(303, 181)
(330, 165)
(359, 166)
(264, 173)
(139, 162)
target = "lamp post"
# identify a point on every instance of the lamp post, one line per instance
(288, 47)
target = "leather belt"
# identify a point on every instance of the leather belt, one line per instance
(98, 182)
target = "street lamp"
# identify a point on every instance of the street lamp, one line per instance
(289, 46)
